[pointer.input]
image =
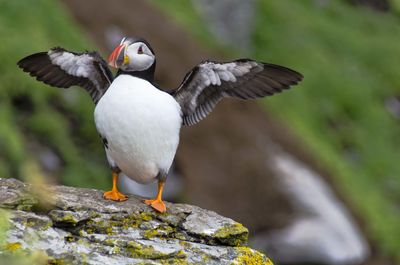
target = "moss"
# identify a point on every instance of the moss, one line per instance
(205, 258)
(13, 246)
(69, 218)
(109, 231)
(116, 250)
(57, 262)
(37, 224)
(83, 232)
(185, 244)
(176, 261)
(180, 236)
(161, 232)
(124, 222)
(145, 216)
(84, 242)
(25, 202)
(70, 239)
(101, 227)
(93, 215)
(63, 217)
(133, 220)
(232, 235)
(137, 250)
(150, 233)
(247, 256)
(89, 230)
(29, 223)
(110, 242)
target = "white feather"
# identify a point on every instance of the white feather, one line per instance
(70, 63)
(142, 61)
(141, 125)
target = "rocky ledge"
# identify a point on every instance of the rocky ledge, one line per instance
(75, 226)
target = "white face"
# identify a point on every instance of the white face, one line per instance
(139, 57)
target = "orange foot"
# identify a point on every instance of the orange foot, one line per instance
(115, 195)
(157, 205)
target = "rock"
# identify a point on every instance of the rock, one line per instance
(323, 231)
(231, 21)
(76, 225)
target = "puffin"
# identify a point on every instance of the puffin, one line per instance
(138, 122)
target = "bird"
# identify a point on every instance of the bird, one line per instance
(140, 123)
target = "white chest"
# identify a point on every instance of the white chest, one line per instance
(141, 125)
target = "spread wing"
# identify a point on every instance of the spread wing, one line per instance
(61, 68)
(208, 82)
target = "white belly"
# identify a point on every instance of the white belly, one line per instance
(141, 125)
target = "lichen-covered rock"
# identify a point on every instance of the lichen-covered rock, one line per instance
(77, 226)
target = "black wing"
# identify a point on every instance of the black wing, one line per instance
(208, 82)
(61, 68)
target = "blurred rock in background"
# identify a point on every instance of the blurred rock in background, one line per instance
(322, 230)
(230, 21)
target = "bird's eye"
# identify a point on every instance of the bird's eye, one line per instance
(140, 50)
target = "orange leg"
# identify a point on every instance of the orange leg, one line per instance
(158, 203)
(114, 194)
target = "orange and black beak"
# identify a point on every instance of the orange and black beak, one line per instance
(117, 57)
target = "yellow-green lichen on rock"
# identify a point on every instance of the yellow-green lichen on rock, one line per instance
(12, 246)
(81, 227)
(137, 250)
(233, 235)
(247, 256)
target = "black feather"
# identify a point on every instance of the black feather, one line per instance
(197, 99)
(43, 68)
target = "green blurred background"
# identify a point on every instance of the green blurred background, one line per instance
(345, 110)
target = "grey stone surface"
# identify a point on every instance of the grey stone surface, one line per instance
(75, 226)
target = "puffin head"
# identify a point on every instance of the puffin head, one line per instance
(132, 55)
